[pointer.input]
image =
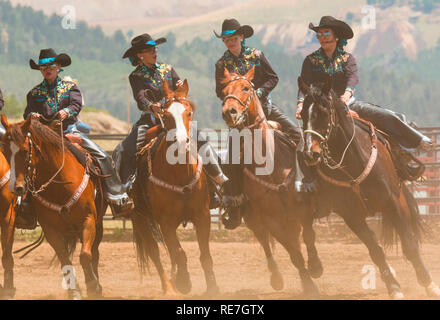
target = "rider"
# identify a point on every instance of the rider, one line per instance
(332, 60)
(147, 83)
(59, 98)
(240, 59)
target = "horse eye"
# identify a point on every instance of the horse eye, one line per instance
(246, 89)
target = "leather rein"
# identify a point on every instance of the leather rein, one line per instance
(281, 187)
(326, 157)
(188, 188)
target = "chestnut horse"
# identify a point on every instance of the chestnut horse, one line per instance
(63, 197)
(358, 178)
(7, 218)
(175, 193)
(273, 206)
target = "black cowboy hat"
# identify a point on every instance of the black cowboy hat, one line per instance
(232, 26)
(341, 29)
(49, 56)
(140, 42)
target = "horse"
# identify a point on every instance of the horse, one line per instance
(273, 207)
(357, 178)
(174, 194)
(63, 197)
(7, 225)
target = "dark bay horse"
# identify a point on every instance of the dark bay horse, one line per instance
(273, 205)
(63, 197)
(7, 218)
(358, 179)
(176, 193)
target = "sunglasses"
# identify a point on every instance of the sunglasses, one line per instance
(149, 50)
(50, 67)
(323, 34)
(230, 39)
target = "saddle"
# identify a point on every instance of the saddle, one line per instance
(408, 167)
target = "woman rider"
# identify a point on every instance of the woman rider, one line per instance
(239, 58)
(62, 99)
(147, 82)
(331, 60)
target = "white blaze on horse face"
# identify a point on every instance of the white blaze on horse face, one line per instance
(14, 150)
(309, 127)
(177, 109)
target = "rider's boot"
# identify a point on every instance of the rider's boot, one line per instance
(211, 165)
(116, 197)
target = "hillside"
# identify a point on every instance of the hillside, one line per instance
(410, 25)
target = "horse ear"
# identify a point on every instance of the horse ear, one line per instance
(5, 122)
(327, 86)
(227, 74)
(250, 74)
(166, 89)
(303, 87)
(184, 87)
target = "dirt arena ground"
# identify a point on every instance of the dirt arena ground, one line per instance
(240, 269)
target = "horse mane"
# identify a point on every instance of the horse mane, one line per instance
(42, 136)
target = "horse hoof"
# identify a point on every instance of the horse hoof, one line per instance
(212, 291)
(311, 291)
(74, 294)
(276, 281)
(8, 293)
(433, 290)
(397, 295)
(94, 292)
(315, 268)
(183, 282)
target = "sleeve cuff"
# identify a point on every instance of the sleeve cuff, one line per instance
(351, 90)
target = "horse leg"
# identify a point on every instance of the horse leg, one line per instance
(358, 225)
(410, 248)
(56, 240)
(314, 264)
(94, 289)
(288, 234)
(203, 227)
(95, 247)
(7, 240)
(178, 256)
(148, 245)
(262, 235)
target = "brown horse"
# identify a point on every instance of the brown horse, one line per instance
(63, 197)
(273, 206)
(7, 218)
(358, 178)
(176, 193)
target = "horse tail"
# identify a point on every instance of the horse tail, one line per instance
(416, 220)
(142, 250)
(389, 234)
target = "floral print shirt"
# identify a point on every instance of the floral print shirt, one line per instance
(47, 99)
(265, 79)
(341, 68)
(147, 83)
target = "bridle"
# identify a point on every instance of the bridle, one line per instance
(244, 114)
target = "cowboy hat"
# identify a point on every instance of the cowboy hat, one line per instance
(232, 26)
(340, 28)
(49, 56)
(140, 42)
